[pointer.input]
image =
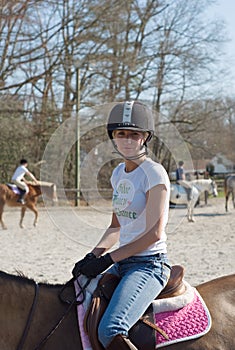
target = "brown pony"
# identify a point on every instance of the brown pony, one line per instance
(7, 196)
(33, 317)
(229, 187)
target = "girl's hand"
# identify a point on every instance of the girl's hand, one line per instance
(95, 266)
(77, 268)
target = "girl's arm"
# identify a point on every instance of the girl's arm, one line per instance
(109, 238)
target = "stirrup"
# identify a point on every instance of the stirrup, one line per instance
(21, 201)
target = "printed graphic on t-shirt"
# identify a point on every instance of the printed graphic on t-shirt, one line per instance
(123, 197)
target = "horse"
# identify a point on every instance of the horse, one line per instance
(229, 187)
(8, 197)
(35, 316)
(179, 195)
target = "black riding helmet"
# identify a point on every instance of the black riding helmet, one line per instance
(132, 115)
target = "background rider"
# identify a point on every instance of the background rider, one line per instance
(181, 179)
(19, 181)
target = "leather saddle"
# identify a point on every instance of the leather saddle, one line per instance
(142, 334)
(15, 189)
(175, 285)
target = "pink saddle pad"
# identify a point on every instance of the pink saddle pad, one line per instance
(188, 322)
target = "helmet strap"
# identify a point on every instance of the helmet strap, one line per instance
(138, 156)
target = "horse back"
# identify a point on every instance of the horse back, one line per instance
(229, 184)
(219, 296)
(217, 287)
(9, 197)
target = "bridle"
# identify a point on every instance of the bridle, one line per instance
(71, 303)
(30, 317)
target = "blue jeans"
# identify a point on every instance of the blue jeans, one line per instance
(142, 279)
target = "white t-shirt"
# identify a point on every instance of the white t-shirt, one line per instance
(129, 201)
(19, 173)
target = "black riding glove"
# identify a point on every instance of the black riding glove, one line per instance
(77, 267)
(95, 266)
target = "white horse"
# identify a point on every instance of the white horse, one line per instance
(179, 194)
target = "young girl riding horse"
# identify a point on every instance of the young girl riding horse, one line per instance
(141, 191)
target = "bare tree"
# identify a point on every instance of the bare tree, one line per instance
(162, 52)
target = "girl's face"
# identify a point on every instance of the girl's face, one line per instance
(129, 142)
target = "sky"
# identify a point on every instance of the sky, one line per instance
(225, 9)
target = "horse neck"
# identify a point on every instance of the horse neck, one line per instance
(50, 300)
(48, 189)
(35, 189)
(18, 294)
(202, 184)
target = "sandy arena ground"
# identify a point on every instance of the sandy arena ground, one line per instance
(64, 234)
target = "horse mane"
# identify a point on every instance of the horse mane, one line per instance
(35, 189)
(19, 277)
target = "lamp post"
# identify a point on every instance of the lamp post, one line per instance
(77, 141)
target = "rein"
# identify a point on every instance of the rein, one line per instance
(30, 317)
(71, 304)
(33, 308)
